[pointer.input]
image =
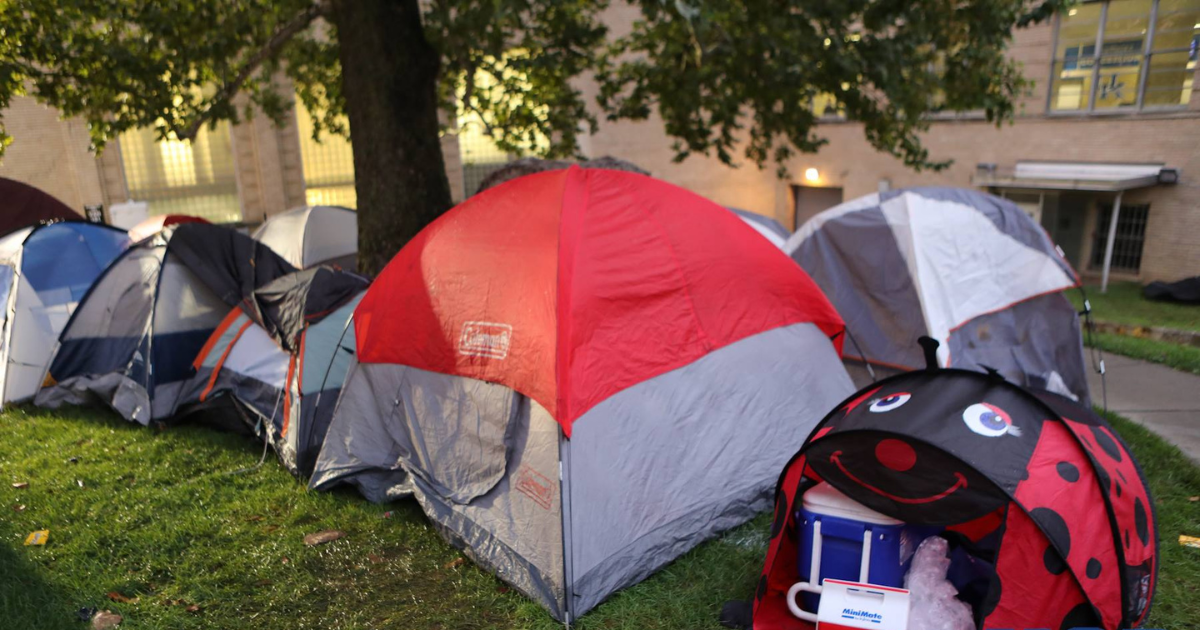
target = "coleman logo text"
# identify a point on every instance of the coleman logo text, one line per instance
(485, 339)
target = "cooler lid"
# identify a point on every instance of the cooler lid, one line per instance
(827, 500)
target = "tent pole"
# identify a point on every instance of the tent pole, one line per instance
(1112, 239)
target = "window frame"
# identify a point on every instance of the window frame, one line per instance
(1147, 53)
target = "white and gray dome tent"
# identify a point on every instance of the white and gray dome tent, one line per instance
(313, 235)
(44, 271)
(966, 268)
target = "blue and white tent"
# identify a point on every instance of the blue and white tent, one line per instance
(131, 341)
(44, 272)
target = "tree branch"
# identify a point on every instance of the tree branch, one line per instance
(317, 9)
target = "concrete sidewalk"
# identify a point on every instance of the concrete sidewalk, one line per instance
(1163, 400)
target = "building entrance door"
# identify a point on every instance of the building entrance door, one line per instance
(812, 200)
(1066, 226)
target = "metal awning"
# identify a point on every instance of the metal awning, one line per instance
(1086, 176)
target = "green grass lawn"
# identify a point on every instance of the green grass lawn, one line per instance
(1185, 358)
(155, 515)
(1124, 304)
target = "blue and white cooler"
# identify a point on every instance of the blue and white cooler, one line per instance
(844, 540)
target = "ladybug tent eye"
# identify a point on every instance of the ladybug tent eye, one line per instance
(988, 420)
(889, 402)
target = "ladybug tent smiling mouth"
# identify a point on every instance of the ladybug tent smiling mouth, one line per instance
(1036, 488)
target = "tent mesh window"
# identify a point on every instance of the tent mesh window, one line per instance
(1131, 236)
(328, 165)
(175, 177)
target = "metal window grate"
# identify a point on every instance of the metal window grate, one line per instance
(195, 178)
(1131, 236)
(480, 155)
(328, 165)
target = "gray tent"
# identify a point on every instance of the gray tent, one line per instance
(575, 446)
(966, 268)
(770, 229)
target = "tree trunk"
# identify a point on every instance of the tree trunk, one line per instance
(389, 78)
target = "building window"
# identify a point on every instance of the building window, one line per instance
(1131, 235)
(173, 177)
(826, 106)
(328, 165)
(479, 154)
(1125, 55)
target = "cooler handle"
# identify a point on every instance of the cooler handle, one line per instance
(814, 569)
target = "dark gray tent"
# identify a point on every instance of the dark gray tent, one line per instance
(966, 268)
(282, 357)
(131, 341)
(22, 205)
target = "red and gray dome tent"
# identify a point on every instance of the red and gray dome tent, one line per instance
(282, 356)
(581, 374)
(969, 269)
(1039, 491)
(131, 341)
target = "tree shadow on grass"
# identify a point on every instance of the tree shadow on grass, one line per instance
(27, 600)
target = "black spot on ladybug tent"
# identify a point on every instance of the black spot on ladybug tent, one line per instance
(1054, 527)
(1140, 524)
(1068, 471)
(781, 514)
(1093, 569)
(1107, 444)
(762, 588)
(1127, 539)
(1122, 475)
(1081, 616)
(1054, 562)
(1105, 480)
(1117, 487)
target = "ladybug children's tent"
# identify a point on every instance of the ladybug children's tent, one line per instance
(1038, 492)
(131, 341)
(22, 205)
(283, 357)
(966, 268)
(313, 235)
(581, 374)
(44, 272)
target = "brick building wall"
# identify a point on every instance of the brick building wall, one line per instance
(52, 154)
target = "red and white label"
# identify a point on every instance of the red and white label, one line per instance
(536, 486)
(485, 339)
